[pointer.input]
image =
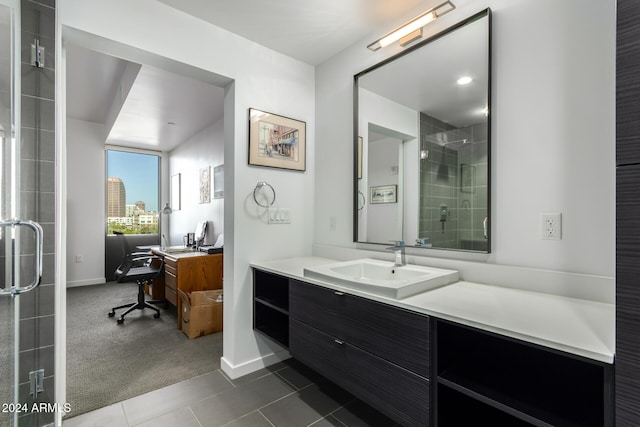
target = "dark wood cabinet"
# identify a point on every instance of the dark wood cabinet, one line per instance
(377, 352)
(628, 82)
(509, 382)
(627, 378)
(394, 334)
(421, 370)
(628, 296)
(397, 392)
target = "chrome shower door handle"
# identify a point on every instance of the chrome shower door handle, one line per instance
(37, 230)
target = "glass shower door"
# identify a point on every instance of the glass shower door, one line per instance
(20, 240)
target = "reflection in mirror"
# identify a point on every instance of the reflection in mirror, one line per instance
(423, 139)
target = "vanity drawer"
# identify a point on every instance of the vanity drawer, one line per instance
(394, 391)
(394, 334)
(319, 307)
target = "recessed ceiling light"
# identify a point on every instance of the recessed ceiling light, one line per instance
(464, 80)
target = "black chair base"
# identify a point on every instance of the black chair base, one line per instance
(141, 304)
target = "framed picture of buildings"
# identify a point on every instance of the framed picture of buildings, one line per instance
(384, 194)
(276, 141)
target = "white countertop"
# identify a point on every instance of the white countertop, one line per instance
(581, 327)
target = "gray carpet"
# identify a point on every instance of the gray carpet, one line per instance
(108, 363)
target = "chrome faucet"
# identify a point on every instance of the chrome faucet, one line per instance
(398, 250)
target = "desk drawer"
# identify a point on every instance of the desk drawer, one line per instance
(170, 280)
(171, 295)
(170, 265)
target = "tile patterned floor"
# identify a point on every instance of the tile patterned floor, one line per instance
(284, 395)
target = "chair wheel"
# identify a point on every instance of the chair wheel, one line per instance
(155, 316)
(111, 313)
(120, 321)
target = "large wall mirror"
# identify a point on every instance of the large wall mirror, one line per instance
(422, 143)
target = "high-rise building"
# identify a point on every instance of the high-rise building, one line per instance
(116, 198)
(141, 206)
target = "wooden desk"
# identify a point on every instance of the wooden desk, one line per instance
(189, 271)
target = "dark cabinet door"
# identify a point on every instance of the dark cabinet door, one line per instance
(628, 82)
(392, 333)
(627, 376)
(628, 296)
(394, 391)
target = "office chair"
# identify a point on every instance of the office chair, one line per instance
(139, 267)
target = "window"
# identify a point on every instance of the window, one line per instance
(132, 192)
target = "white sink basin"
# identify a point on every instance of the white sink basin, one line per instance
(382, 278)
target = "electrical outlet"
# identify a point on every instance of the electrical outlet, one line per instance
(551, 226)
(279, 216)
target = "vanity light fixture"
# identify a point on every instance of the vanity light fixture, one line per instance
(412, 29)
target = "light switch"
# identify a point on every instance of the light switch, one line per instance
(279, 216)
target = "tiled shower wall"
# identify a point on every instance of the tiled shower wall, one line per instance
(472, 200)
(37, 201)
(444, 175)
(438, 183)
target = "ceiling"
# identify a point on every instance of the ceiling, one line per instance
(137, 103)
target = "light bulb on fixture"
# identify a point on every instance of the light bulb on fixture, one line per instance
(465, 80)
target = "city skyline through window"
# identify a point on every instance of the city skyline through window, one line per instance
(132, 192)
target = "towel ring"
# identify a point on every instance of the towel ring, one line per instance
(259, 185)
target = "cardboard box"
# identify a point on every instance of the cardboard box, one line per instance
(201, 312)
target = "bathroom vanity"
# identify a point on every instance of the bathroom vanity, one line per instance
(455, 355)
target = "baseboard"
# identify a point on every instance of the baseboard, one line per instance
(242, 369)
(86, 282)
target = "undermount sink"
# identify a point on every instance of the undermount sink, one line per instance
(382, 277)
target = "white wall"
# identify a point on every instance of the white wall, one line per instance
(85, 202)
(384, 219)
(553, 132)
(404, 124)
(206, 148)
(148, 31)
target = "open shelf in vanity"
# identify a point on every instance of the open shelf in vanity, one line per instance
(510, 382)
(271, 306)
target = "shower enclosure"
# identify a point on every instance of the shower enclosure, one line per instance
(24, 398)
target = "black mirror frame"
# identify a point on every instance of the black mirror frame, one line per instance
(484, 13)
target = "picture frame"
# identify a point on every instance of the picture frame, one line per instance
(384, 194)
(218, 182)
(205, 185)
(175, 192)
(467, 178)
(276, 141)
